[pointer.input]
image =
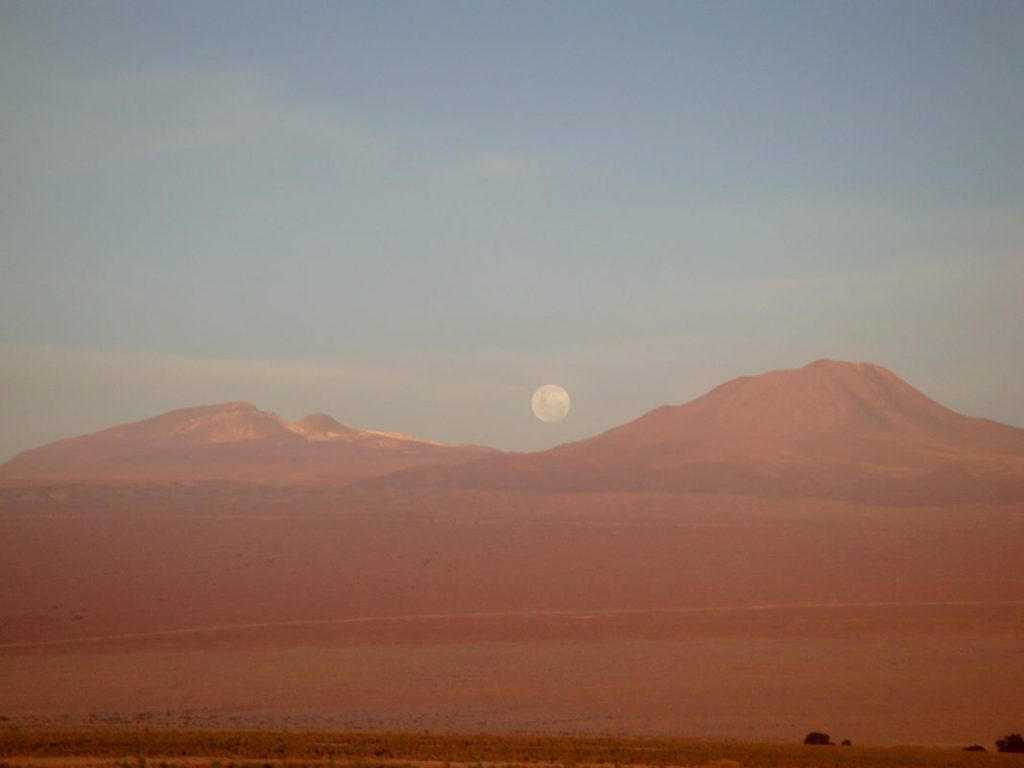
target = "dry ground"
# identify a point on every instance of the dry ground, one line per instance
(657, 615)
(138, 748)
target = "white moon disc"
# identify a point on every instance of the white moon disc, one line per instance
(550, 403)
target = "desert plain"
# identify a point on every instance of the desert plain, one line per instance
(822, 549)
(640, 614)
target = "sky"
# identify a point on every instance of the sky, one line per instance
(410, 215)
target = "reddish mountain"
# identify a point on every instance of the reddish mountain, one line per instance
(847, 430)
(232, 441)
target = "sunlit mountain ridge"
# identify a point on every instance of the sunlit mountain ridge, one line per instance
(228, 441)
(831, 429)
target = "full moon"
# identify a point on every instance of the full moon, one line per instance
(550, 403)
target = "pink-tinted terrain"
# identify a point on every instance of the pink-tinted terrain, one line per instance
(232, 441)
(823, 549)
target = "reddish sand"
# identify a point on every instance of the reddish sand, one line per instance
(607, 613)
(932, 689)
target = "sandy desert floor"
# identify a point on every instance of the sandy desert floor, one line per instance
(104, 747)
(653, 615)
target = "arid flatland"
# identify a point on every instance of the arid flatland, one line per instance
(139, 747)
(631, 614)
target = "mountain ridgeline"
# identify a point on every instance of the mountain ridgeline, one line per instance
(829, 429)
(229, 442)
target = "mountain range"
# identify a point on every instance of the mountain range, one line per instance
(230, 441)
(830, 429)
(836, 429)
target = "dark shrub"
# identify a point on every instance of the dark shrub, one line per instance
(816, 737)
(975, 748)
(1012, 743)
(846, 743)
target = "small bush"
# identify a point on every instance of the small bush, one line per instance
(1012, 743)
(975, 748)
(817, 737)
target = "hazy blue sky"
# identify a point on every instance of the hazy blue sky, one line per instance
(410, 215)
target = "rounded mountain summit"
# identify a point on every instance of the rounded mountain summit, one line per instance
(229, 442)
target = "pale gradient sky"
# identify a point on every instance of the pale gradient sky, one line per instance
(410, 215)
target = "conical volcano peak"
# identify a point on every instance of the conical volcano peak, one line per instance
(826, 370)
(840, 370)
(844, 365)
(822, 395)
(826, 366)
(829, 428)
